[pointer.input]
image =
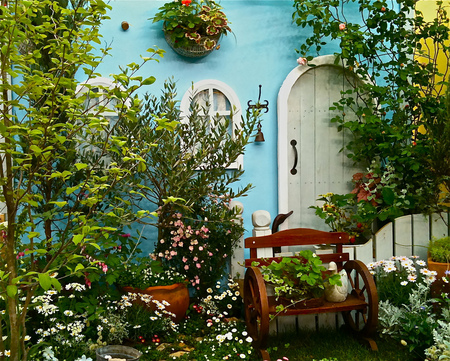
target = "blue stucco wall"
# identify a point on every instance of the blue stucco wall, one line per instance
(262, 51)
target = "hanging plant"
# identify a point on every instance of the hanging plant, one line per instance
(193, 28)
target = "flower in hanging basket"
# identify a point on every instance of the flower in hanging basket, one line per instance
(193, 22)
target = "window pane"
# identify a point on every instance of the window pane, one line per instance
(220, 101)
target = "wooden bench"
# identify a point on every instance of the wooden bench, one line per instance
(359, 310)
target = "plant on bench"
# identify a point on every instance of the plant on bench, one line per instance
(359, 310)
(298, 282)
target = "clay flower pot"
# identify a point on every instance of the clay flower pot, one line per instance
(177, 295)
(438, 286)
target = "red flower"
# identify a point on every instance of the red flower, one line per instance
(186, 2)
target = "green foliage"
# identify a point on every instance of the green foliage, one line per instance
(187, 179)
(298, 279)
(412, 323)
(440, 250)
(62, 192)
(340, 213)
(441, 347)
(192, 22)
(399, 114)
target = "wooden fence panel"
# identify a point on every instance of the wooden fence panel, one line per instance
(421, 235)
(384, 242)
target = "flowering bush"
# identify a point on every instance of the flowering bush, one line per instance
(201, 247)
(339, 213)
(397, 277)
(373, 197)
(143, 273)
(193, 22)
(76, 321)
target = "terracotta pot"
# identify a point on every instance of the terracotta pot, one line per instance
(438, 286)
(177, 295)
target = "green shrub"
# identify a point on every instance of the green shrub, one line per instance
(440, 250)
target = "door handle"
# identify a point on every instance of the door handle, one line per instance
(294, 170)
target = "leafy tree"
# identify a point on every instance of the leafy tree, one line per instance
(61, 191)
(188, 181)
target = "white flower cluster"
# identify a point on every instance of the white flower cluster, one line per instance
(412, 268)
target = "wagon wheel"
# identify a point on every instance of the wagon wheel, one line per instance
(362, 285)
(256, 305)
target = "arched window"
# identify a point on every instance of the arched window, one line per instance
(219, 100)
(97, 104)
(95, 89)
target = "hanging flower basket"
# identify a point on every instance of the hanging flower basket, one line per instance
(192, 28)
(192, 50)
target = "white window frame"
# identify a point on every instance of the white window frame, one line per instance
(228, 92)
(109, 113)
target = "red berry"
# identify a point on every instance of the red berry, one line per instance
(383, 9)
(359, 225)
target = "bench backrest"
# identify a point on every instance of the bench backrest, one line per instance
(297, 237)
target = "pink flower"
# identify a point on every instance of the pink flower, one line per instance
(200, 248)
(191, 248)
(342, 26)
(195, 259)
(198, 265)
(125, 235)
(104, 268)
(184, 259)
(186, 267)
(302, 61)
(210, 254)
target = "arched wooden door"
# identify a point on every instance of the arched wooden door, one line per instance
(310, 160)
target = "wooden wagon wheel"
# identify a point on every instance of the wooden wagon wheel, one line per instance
(362, 285)
(256, 307)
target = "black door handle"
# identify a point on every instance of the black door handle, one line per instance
(294, 170)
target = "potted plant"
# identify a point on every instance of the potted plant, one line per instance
(439, 261)
(192, 28)
(164, 285)
(299, 282)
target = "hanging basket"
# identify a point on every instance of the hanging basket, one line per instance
(193, 50)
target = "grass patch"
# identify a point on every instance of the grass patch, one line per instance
(309, 345)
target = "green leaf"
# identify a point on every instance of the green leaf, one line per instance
(59, 204)
(149, 80)
(77, 238)
(45, 281)
(11, 290)
(56, 284)
(80, 166)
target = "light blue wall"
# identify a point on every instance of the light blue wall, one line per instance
(262, 51)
